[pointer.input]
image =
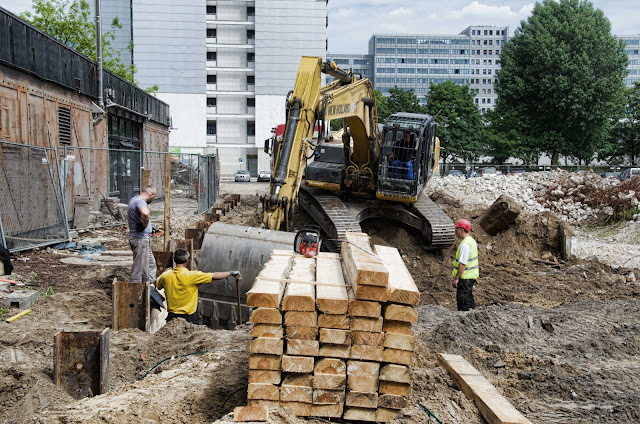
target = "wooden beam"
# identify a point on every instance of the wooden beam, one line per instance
(264, 362)
(328, 397)
(334, 351)
(266, 316)
(400, 313)
(340, 322)
(359, 414)
(366, 353)
(402, 288)
(397, 356)
(392, 401)
(399, 341)
(327, 411)
(361, 266)
(267, 330)
(330, 366)
(363, 308)
(330, 300)
(397, 327)
(367, 338)
(297, 364)
(301, 332)
(265, 376)
(304, 319)
(302, 347)
(361, 399)
(299, 409)
(333, 336)
(373, 325)
(395, 372)
(363, 376)
(301, 297)
(290, 393)
(268, 294)
(167, 200)
(329, 381)
(271, 404)
(250, 413)
(267, 346)
(494, 407)
(263, 391)
(393, 388)
(384, 415)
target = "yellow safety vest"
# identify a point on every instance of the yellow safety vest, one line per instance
(472, 271)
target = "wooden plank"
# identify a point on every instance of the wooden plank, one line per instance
(393, 388)
(265, 293)
(267, 330)
(362, 376)
(366, 353)
(271, 404)
(267, 346)
(266, 316)
(399, 341)
(264, 362)
(373, 325)
(167, 200)
(299, 409)
(331, 300)
(290, 393)
(361, 399)
(328, 397)
(301, 297)
(263, 391)
(395, 372)
(392, 401)
(373, 293)
(327, 411)
(334, 351)
(333, 336)
(264, 376)
(250, 413)
(364, 308)
(384, 415)
(494, 407)
(130, 303)
(303, 347)
(397, 312)
(402, 288)
(397, 327)
(361, 266)
(298, 380)
(301, 332)
(304, 319)
(340, 322)
(367, 338)
(329, 381)
(297, 364)
(332, 366)
(359, 414)
(397, 356)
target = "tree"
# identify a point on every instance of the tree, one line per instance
(460, 124)
(381, 106)
(401, 100)
(561, 82)
(625, 137)
(503, 142)
(69, 21)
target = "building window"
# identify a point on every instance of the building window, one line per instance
(211, 33)
(488, 101)
(251, 79)
(485, 32)
(251, 102)
(64, 125)
(211, 101)
(490, 52)
(251, 11)
(211, 55)
(211, 10)
(211, 79)
(490, 32)
(211, 128)
(476, 101)
(473, 32)
(485, 42)
(251, 128)
(251, 34)
(251, 57)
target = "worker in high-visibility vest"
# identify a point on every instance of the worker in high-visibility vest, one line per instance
(465, 266)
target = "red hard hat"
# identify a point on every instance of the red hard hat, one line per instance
(463, 223)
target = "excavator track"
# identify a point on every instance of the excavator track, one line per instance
(330, 213)
(443, 233)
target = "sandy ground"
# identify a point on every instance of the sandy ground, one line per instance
(584, 369)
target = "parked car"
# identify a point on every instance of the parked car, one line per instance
(610, 174)
(454, 173)
(488, 170)
(242, 176)
(629, 172)
(264, 176)
(517, 171)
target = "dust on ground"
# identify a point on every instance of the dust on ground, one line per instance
(583, 370)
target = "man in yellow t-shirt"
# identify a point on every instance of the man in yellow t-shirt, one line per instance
(181, 287)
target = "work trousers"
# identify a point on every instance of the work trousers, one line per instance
(144, 264)
(193, 319)
(464, 295)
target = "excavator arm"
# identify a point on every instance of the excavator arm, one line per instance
(346, 98)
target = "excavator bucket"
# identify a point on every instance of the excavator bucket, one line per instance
(234, 247)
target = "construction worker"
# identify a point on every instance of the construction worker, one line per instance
(181, 287)
(139, 218)
(465, 266)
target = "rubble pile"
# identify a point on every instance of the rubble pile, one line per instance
(577, 197)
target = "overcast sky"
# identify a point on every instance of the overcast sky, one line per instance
(352, 22)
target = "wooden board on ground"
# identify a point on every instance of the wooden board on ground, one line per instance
(359, 414)
(394, 372)
(302, 333)
(266, 316)
(340, 322)
(493, 406)
(250, 413)
(303, 347)
(333, 366)
(301, 297)
(298, 364)
(402, 288)
(334, 351)
(397, 356)
(265, 362)
(328, 397)
(361, 399)
(399, 341)
(367, 338)
(263, 391)
(333, 336)
(330, 300)
(403, 313)
(360, 264)
(397, 327)
(268, 293)
(304, 319)
(373, 325)
(267, 330)
(267, 346)
(265, 376)
(392, 401)
(130, 302)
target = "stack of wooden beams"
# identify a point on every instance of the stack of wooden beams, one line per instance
(346, 346)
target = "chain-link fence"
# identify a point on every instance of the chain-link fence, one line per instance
(32, 209)
(471, 170)
(197, 176)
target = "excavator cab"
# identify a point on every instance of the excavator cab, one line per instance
(407, 156)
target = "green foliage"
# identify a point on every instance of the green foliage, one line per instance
(625, 138)
(459, 123)
(401, 100)
(626, 214)
(47, 292)
(381, 106)
(335, 125)
(70, 22)
(561, 82)
(3, 312)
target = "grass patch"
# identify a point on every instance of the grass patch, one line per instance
(47, 292)
(3, 312)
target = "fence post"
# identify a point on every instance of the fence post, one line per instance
(167, 201)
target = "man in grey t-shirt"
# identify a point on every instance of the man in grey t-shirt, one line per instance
(139, 218)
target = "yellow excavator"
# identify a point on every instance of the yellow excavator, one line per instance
(374, 172)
